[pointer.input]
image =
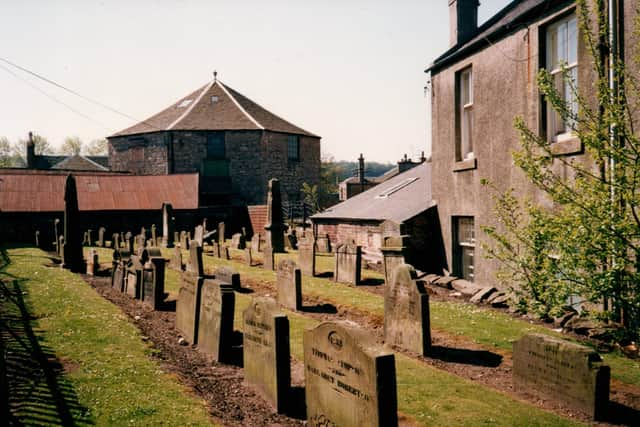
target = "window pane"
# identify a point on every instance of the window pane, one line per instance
(562, 43)
(465, 231)
(215, 145)
(572, 54)
(293, 145)
(465, 87)
(552, 48)
(467, 131)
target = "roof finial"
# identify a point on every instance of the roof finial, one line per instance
(215, 75)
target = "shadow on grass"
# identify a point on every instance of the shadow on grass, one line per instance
(320, 308)
(465, 356)
(620, 414)
(371, 281)
(324, 274)
(33, 386)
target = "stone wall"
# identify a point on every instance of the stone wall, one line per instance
(142, 154)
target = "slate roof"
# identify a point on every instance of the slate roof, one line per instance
(511, 18)
(230, 111)
(44, 192)
(411, 197)
(77, 162)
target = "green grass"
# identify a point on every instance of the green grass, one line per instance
(113, 380)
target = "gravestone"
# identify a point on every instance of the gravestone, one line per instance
(248, 259)
(238, 241)
(176, 238)
(101, 232)
(323, 244)
(221, 233)
(85, 239)
(266, 351)
(128, 238)
(37, 238)
(56, 233)
(115, 241)
(153, 279)
(184, 243)
(256, 243)
(307, 256)
(289, 285)
(167, 225)
(92, 263)
(133, 278)
(228, 275)
(348, 262)
(61, 245)
(562, 370)
(72, 257)
(291, 240)
(119, 269)
(215, 248)
(142, 242)
(176, 259)
(215, 329)
(350, 380)
(153, 235)
(198, 235)
(89, 237)
(224, 252)
(393, 248)
(406, 311)
(268, 258)
(275, 226)
(189, 296)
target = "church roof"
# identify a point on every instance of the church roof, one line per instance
(214, 106)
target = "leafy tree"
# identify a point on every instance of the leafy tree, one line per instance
(588, 243)
(71, 146)
(310, 194)
(330, 173)
(97, 147)
(6, 153)
(42, 145)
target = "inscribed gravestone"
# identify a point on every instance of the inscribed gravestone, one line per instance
(562, 370)
(307, 256)
(215, 329)
(289, 285)
(267, 258)
(348, 262)
(228, 275)
(275, 226)
(350, 380)
(266, 351)
(176, 260)
(406, 311)
(248, 259)
(152, 290)
(92, 263)
(198, 235)
(189, 295)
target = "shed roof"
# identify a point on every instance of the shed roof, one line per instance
(21, 192)
(214, 106)
(398, 199)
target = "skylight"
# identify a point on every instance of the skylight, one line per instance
(389, 191)
(185, 103)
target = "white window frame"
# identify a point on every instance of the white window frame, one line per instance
(465, 114)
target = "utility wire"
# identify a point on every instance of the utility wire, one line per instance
(53, 98)
(79, 95)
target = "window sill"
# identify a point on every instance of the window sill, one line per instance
(464, 165)
(568, 146)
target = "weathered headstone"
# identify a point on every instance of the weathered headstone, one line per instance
(256, 243)
(238, 241)
(176, 259)
(215, 329)
(307, 256)
(349, 379)
(153, 235)
(289, 284)
(393, 248)
(198, 236)
(248, 258)
(195, 264)
(268, 258)
(221, 233)
(323, 244)
(72, 257)
(92, 263)
(56, 233)
(89, 237)
(101, 232)
(37, 238)
(133, 281)
(348, 263)
(215, 248)
(562, 370)
(184, 243)
(189, 296)
(176, 238)
(224, 252)
(167, 225)
(275, 226)
(152, 290)
(115, 241)
(119, 269)
(291, 240)
(143, 238)
(266, 351)
(406, 311)
(228, 275)
(128, 238)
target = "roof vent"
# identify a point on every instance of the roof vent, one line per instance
(185, 103)
(214, 99)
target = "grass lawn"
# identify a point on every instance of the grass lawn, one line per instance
(108, 377)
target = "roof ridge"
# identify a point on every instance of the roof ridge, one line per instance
(235, 101)
(190, 107)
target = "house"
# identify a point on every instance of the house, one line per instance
(75, 162)
(400, 205)
(232, 142)
(479, 85)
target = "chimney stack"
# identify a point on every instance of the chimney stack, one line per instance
(361, 169)
(31, 152)
(463, 21)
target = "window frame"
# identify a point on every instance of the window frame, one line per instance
(290, 140)
(216, 155)
(459, 246)
(464, 114)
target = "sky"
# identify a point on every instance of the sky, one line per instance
(351, 71)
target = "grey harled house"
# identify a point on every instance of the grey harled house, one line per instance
(235, 144)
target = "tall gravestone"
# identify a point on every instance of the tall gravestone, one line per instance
(115, 241)
(256, 243)
(393, 247)
(275, 226)
(72, 257)
(198, 236)
(167, 225)
(248, 258)
(323, 244)
(406, 311)
(176, 260)
(307, 256)
(119, 269)
(289, 285)
(266, 351)
(350, 380)
(221, 233)
(133, 278)
(56, 233)
(153, 274)
(348, 262)
(89, 237)
(101, 232)
(228, 275)
(184, 244)
(189, 296)
(562, 370)
(129, 239)
(268, 258)
(215, 328)
(92, 263)
(153, 235)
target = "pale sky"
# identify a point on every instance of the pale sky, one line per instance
(350, 71)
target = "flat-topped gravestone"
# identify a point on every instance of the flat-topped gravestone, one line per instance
(215, 329)
(92, 263)
(267, 258)
(323, 244)
(238, 241)
(133, 282)
(188, 306)
(349, 379)
(221, 233)
(256, 243)
(153, 280)
(118, 270)
(266, 351)
(228, 275)
(248, 258)
(348, 262)
(195, 259)
(562, 370)
(289, 285)
(198, 235)
(406, 311)
(307, 256)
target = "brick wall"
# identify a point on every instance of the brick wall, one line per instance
(258, 217)
(364, 233)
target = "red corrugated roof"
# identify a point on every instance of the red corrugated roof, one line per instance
(20, 192)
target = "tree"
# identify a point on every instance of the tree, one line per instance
(588, 243)
(97, 147)
(6, 153)
(330, 172)
(42, 145)
(71, 146)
